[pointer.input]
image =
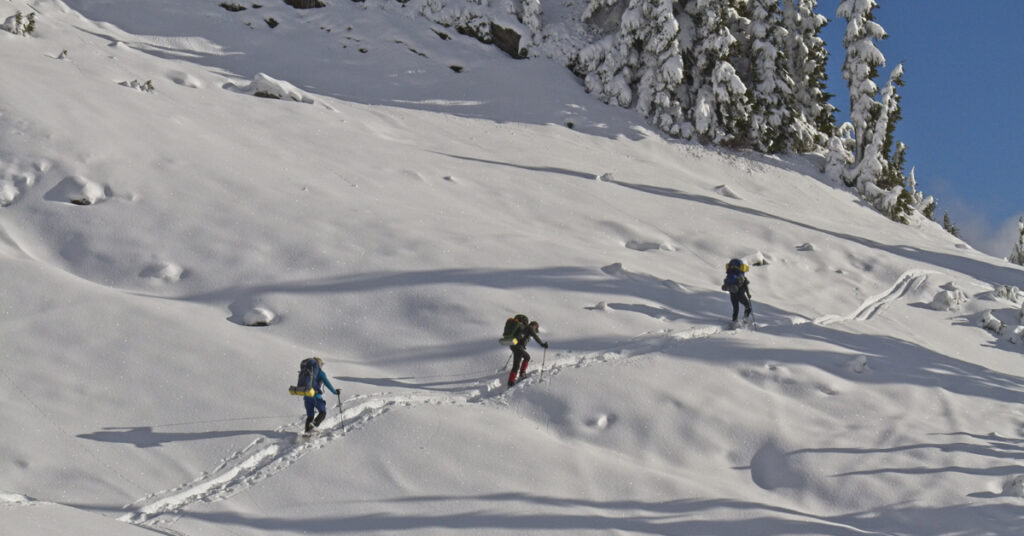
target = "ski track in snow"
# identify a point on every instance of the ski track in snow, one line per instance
(265, 457)
(910, 280)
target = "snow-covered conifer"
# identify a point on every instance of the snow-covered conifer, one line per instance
(880, 171)
(531, 18)
(949, 226)
(661, 67)
(859, 70)
(771, 87)
(925, 204)
(1017, 255)
(720, 109)
(839, 152)
(641, 65)
(807, 58)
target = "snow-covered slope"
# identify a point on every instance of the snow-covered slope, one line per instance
(387, 214)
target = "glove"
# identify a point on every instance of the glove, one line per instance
(545, 345)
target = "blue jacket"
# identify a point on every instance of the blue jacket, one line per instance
(321, 380)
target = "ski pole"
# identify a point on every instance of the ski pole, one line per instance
(341, 413)
(543, 360)
(507, 362)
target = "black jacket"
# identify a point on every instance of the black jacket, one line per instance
(525, 333)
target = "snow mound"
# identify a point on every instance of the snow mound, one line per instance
(771, 469)
(1014, 487)
(13, 498)
(163, 271)
(1009, 292)
(78, 190)
(949, 299)
(725, 191)
(265, 86)
(806, 246)
(184, 79)
(991, 323)
(259, 317)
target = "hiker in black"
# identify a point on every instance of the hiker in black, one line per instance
(520, 357)
(738, 286)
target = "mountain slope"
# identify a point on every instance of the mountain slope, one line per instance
(388, 214)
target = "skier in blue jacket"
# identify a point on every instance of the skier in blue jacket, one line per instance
(738, 287)
(317, 402)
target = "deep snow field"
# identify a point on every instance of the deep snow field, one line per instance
(387, 214)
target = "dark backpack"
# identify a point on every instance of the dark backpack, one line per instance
(733, 282)
(512, 328)
(309, 369)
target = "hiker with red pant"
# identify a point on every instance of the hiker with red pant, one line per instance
(520, 357)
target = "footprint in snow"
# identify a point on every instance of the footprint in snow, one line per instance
(14, 182)
(641, 245)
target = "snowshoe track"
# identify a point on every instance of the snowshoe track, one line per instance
(265, 457)
(907, 282)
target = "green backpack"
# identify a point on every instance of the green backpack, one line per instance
(512, 326)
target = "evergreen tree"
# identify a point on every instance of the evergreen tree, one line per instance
(661, 65)
(922, 203)
(772, 98)
(531, 18)
(639, 65)
(948, 225)
(892, 179)
(1017, 255)
(807, 60)
(860, 68)
(720, 111)
(839, 152)
(606, 67)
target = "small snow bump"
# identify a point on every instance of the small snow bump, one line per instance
(601, 422)
(613, 269)
(641, 245)
(1014, 487)
(806, 246)
(725, 191)
(77, 190)
(265, 86)
(166, 272)
(858, 365)
(185, 79)
(259, 317)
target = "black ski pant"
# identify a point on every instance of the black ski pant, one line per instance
(737, 298)
(520, 355)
